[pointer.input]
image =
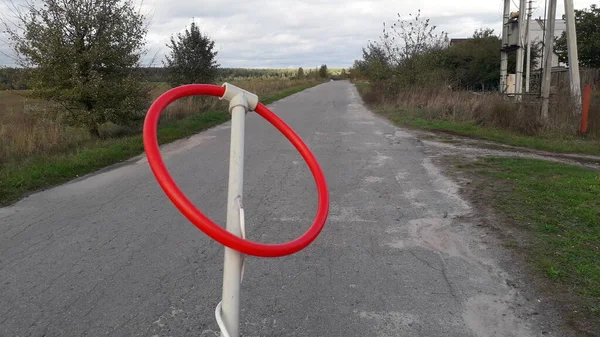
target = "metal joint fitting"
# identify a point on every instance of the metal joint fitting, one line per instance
(239, 97)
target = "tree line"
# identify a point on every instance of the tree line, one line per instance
(411, 53)
(85, 56)
(14, 78)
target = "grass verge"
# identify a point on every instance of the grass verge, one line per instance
(558, 207)
(545, 142)
(424, 119)
(41, 171)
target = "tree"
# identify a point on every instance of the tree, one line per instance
(375, 63)
(411, 44)
(192, 58)
(300, 73)
(323, 71)
(587, 22)
(357, 70)
(13, 79)
(475, 62)
(408, 38)
(484, 33)
(82, 54)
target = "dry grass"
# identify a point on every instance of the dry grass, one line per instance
(28, 126)
(193, 105)
(488, 109)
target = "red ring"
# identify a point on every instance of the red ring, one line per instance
(187, 208)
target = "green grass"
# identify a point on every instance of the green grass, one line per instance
(41, 171)
(546, 142)
(270, 98)
(559, 206)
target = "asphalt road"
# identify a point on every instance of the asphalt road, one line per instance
(109, 255)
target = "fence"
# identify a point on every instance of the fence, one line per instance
(560, 79)
(560, 99)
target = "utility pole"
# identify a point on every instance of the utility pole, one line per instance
(520, 56)
(504, 53)
(573, 57)
(548, 53)
(528, 41)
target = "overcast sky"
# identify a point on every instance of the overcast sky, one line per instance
(307, 33)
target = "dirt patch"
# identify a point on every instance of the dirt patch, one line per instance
(452, 152)
(473, 149)
(558, 305)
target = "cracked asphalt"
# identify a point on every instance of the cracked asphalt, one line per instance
(401, 253)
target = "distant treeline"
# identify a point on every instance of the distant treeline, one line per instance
(159, 74)
(12, 79)
(16, 79)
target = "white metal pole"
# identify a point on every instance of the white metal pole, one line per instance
(504, 54)
(520, 54)
(232, 268)
(548, 56)
(573, 57)
(528, 41)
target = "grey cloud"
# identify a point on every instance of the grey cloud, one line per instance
(307, 33)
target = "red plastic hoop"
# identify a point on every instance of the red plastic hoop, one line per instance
(205, 224)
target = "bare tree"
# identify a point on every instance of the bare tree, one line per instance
(408, 38)
(409, 45)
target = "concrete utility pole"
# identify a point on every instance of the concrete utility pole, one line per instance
(573, 57)
(520, 56)
(548, 53)
(504, 53)
(528, 41)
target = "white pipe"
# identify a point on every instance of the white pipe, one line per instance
(528, 41)
(520, 54)
(218, 310)
(232, 269)
(548, 56)
(573, 57)
(504, 54)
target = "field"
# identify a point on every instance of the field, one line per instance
(38, 150)
(29, 126)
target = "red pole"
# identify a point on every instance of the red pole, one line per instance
(587, 93)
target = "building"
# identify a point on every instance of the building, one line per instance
(537, 35)
(459, 41)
